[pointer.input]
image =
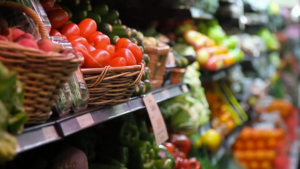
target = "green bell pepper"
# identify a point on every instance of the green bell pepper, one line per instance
(164, 164)
(119, 153)
(164, 154)
(128, 134)
(142, 156)
(143, 130)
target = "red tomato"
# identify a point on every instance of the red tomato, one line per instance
(99, 58)
(56, 6)
(70, 29)
(87, 27)
(109, 48)
(170, 147)
(89, 47)
(120, 42)
(96, 39)
(135, 50)
(125, 53)
(80, 48)
(77, 39)
(54, 32)
(47, 5)
(58, 18)
(118, 62)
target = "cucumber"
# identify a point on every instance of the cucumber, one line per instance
(114, 39)
(72, 4)
(96, 17)
(147, 85)
(133, 40)
(136, 90)
(146, 73)
(105, 28)
(120, 31)
(101, 9)
(117, 22)
(111, 16)
(133, 32)
(139, 40)
(146, 58)
(79, 16)
(68, 10)
(142, 48)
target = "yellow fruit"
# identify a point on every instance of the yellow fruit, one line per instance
(211, 139)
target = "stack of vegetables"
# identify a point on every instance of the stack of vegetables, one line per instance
(188, 111)
(11, 112)
(132, 145)
(255, 148)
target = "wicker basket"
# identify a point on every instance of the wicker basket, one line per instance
(176, 75)
(41, 73)
(157, 65)
(112, 85)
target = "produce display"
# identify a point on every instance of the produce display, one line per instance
(255, 148)
(216, 106)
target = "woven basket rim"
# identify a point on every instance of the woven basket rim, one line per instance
(112, 69)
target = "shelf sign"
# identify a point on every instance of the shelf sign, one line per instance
(157, 120)
(50, 133)
(85, 120)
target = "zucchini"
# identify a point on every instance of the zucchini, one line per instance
(111, 16)
(142, 48)
(146, 73)
(185, 62)
(178, 62)
(139, 89)
(79, 16)
(139, 41)
(139, 34)
(96, 17)
(136, 90)
(133, 40)
(117, 22)
(105, 28)
(147, 85)
(129, 32)
(146, 58)
(142, 87)
(133, 32)
(120, 31)
(101, 9)
(114, 39)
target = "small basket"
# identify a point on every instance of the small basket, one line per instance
(176, 75)
(157, 65)
(112, 85)
(41, 73)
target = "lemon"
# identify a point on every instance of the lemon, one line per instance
(211, 139)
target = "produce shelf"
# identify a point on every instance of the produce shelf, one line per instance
(226, 144)
(55, 130)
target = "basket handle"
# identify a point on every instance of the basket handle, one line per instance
(29, 12)
(106, 68)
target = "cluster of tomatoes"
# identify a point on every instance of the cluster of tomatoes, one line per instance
(255, 148)
(96, 47)
(180, 146)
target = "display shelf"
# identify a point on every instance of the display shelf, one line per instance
(226, 144)
(36, 136)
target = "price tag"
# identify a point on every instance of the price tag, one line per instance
(85, 120)
(165, 94)
(157, 120)
(265, 125)
(271, 117)
(50, 133)
(184, 88)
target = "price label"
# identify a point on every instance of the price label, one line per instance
(50, 133)
(165, 94)
(85, 120)
(157, 120)
(184, 88)
(264, 125)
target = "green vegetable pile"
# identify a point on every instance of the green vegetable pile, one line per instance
(185, 113)
(12, 116)
(127, 144)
